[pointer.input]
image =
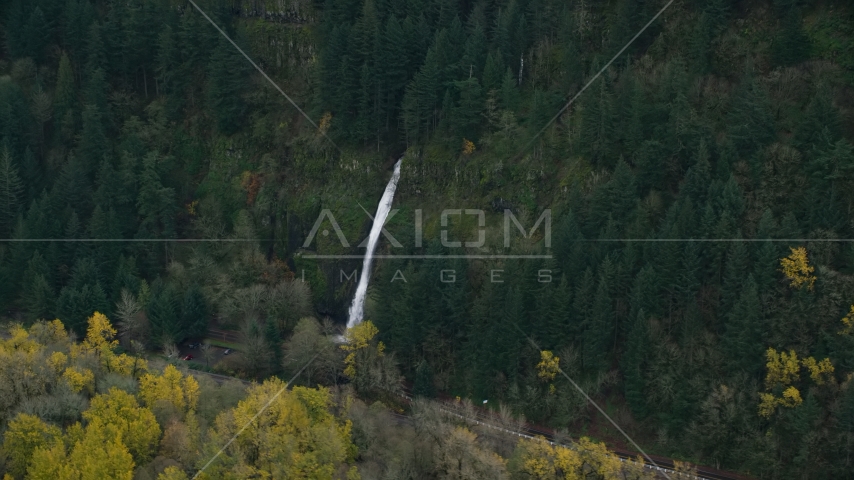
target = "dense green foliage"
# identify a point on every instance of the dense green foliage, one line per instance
(137, 121)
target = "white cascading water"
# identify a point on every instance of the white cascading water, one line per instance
(357, 309)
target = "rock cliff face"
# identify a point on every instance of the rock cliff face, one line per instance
(279, 11)
(280, 34)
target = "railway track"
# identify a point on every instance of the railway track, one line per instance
(487, 420)
(217, 377)
(663, 464)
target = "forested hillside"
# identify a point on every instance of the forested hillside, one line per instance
(702, 273)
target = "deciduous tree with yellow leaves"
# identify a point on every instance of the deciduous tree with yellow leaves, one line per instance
(287, 434)
(23, 436)
(782, 370)
(96, 452)
(548, 367)
(366, 363)
(797, 269)
(181, 391)
(135, 425)
(538, 459)
(848, 322)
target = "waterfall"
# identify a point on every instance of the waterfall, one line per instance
(357, 309)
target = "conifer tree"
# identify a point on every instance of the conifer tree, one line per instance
(697, 178)
(424, 381)
(791, 45)
(735, 273)
(78, 15)
(717, 12)
(82, 296)
(598, 334)
(64, 94)
(272, 342)
(751, 122)
(35, 35)
(393, 58)
(227, 79)
(93, 139)
(155, 203)
(194, 314)
(37, 294)
(560, 327)
(96, 56)
(466, 115)
(510, 96)
(820, 119)
(597, 124)
(72, 189)
(104, 225)
(170, 73)
(366, 34)
(125, 278)
(688, 278)
(474, 53)
(164, 314)
(16, 18)
(633, 364)
(493, 70)
(11, 193)
(700, 45)
(366, 125)
(742, 340)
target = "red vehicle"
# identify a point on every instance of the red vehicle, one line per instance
(188, 357)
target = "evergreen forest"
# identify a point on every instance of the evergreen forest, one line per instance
(653, 201)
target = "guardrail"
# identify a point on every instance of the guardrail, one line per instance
(224, 335)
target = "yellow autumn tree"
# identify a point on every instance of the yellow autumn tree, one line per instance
(548, 367)
(797, 269)
(783, 369)
(79, 379)
(596, 457)
(820, 372)
(23, 436)
(848, 322)
(172, 473)
(96, 452)
(538, 459)
(171, 387)
(19, 341)
(124, 364)
(358, 341)
(468, 147)
(294, 436)
(100, 335)
(119, 411)
(57, 361)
